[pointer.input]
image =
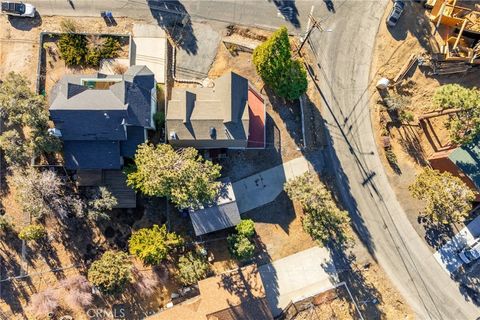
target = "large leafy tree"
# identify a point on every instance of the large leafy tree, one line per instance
(448, 199)
(152, 245)
(25, 117)
(274, 63)
(323, 220)
(181, 175)
(192, 268)
(111, 273)
(464, 126)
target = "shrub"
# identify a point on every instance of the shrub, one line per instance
(159, 119)
(152, 245)
(391, 157)
(110, 48)
(4, 223)
(240, 247)
(246, 228)
(32, 232)
(73, 48)
(111, 273)
(192, 268)
(406, 116)
(68, 25)
(146, 285)
(78, 294)
(43, 303)
(100, 201)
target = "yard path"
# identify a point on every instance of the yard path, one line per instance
(264, 187)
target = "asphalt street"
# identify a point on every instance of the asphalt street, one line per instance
(344, 56)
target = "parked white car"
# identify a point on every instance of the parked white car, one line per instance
(470, 252)
(18, 9)
(397, 10)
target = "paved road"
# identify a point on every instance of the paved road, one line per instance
(345, 56)
(246, 12)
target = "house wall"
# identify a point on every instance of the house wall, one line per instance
(209, 144)
(443, 164)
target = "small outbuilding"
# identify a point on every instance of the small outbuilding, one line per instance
(221, 215)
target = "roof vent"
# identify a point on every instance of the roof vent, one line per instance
(106, 115)
(173, 135)
(55, 132)
(213, 133)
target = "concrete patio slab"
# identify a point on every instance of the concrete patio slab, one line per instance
(262, 188)
(297, 276)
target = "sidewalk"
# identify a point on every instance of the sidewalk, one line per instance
(262, 188)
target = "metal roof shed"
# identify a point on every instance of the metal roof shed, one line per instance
(223, 214)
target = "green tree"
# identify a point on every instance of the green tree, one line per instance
(152, 245)
(32, 232)
(27, 114)
(240, 247)
(182, 176)
(100, 201)
(111, 273)
(246, 228)
(448, 199)
(73, 48)
(323, 220)
(273, 62)
(465, 125)
(15, 151)
(192, 268)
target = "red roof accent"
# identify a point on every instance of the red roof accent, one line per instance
(256, 110)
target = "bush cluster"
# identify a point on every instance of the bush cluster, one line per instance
(78, 50)
(240, 244)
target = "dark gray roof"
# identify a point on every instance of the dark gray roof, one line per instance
(136, 136)
(90, 124)
(95, 116)
(224, 214)
(91, 155)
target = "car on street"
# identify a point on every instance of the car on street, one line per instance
(395, 13)
(470, 252)
(18, 9)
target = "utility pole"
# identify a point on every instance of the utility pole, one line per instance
(313, 23)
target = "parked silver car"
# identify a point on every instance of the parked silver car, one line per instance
(18, 9)
(470, 252)
(394, 16)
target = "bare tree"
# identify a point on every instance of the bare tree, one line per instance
(78, 292)
(146, 285)
(44, 303)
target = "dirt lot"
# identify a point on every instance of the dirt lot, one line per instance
(410, 143)
(19, 40)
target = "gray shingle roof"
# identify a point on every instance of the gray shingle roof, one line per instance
(136, 136)
(193, 113)
(94, 116)
(91, 155)
(224, 214)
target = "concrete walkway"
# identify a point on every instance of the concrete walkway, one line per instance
(264, 187)
(295, 277)
(447, 255)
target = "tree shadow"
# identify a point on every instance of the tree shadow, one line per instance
(173, 17)
(411, 144)
(436, 234)
(289, 11)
